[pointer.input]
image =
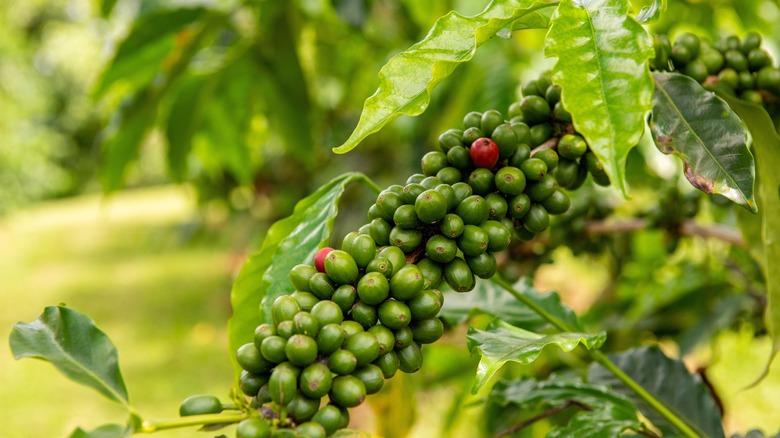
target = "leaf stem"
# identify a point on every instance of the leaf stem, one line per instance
(195, 420)
(372, 185)
(603, 360)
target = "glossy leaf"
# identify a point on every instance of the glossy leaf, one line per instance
(651, 13)
(695, 125)
(104, 431)
(75, 346)
(602, 70)
(502, 343)
(139, 56)
(489, 298)
(289, 242)
(406, 81)
(669, 381)
(766, 147)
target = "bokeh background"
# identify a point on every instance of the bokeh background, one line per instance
(146, 145)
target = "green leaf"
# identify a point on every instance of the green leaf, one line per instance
(695, 125)
(184, 119)
(75, 346)
(122, 140)
(669, 381)
(766, 147)
(603, 423)
(351, 433)
(502, 343)
(104, 431)
(493, 300)
(406, 81)
(139, 57)
(293, 240)
(106, 6)
(651, 13)
(602, 70)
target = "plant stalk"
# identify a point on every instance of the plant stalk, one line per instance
(194, 420)
(604, 361)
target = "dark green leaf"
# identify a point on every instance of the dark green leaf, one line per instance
(669, 381)
(602, 70)
(603, 423)
(493, 300)
(651, 13)
(72, 343)
(695, 125)
(105, 431)
(406, 81)
(139, 56)
(293, 240)
(502, 343)
(766, 146)
(184, 118)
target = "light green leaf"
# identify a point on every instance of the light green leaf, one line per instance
(602, 423)
(489, 298)
(406, 81)
(289, 242)
(766, 147)
(75, 346)
(651, 13)
(104, 431)
(184, 118)
(669, 381)
(602, 70)
(695, 125)
(502, 343)
(139, 56)
(351, 433)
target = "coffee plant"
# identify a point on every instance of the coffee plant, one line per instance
(316, 330)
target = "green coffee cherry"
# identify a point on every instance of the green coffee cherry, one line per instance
(330, 338)
(451, 226)
(530, 88)
(373, 288)
(459, 158)
(406, 283)
(663, 49)
(690, 42)
(534, 169)
(300, 274)
(473, 210)
(425, 305)
(261, 332)
(458, 276)
(471, 135)
(540, 133)
(327, 312)
(560, 114)
(497, 205)
(321, 286)
(329, 417)
(482, 181)
(752, 96)
(540, 190)
(272, 349)
(380, 231)
(200, 405)
(364, 314)
(342, 362)
(284, 308)
(746, 80)
(523, 153)
(428, 331)
(506, 139)
(510, 181)
(441, 249)
(345, 296)
(250, 383)
(362, 248)
(388, 363)
(431, 206)
(450, 138)
(283, 432)
(483, 265)
(557, 203)
(301, 350)
(306, 300)
(519, 205)
(406, 240)
(364, 345)
(250, 359)
(553, 94)
(387, 203)
(432, 162)
(394, 315)
(432, 272)
(253, 428)
(596, 169)
(371, 376)
(315, 381)
(449, 175)
(283, 385)
(303, 408)
(305, 324)
(380, 265)
(351, 327)
(751, 42)
(473, 241)
(572, 146)
(415, 178)
(768, 78)
(396, 257)
(522, 132)
(403, 337)
(499, 236)
(736, 60)
(341, 267)
(535, 110)
(311, 430)
(410, 193)
(347, 391)
(758, 59)
(729, 78)
(430, 182)
(462, 191)
(712, 60)
(490, 121)
(285, 329)
(680, 55)
(384, 337)
(410, 358)
(472, 120)
(537, 219)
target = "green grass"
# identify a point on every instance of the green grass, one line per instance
(149, 276)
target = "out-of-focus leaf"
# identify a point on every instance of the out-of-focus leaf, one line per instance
(140, 55)
(351, 433)
(724, 314)
(602, 70)
(603, 423)
(502, 343)
(491, 299)
(651, 13)
(406, 81)
(184, 118)
(122, 139)
(293, 240)
(75, 346)
(766, 147)
(106, 6)
(695, 125)
(669, 381)
(104, 431)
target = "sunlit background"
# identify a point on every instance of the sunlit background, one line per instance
(135, 178)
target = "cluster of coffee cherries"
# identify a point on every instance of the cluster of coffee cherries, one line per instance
(740, 67)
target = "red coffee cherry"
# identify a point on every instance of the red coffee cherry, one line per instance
(484, 153)
(319, 259)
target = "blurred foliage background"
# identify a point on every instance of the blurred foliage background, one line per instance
(145, 146)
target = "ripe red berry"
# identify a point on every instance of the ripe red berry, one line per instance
(484, 153)
(319, 259)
